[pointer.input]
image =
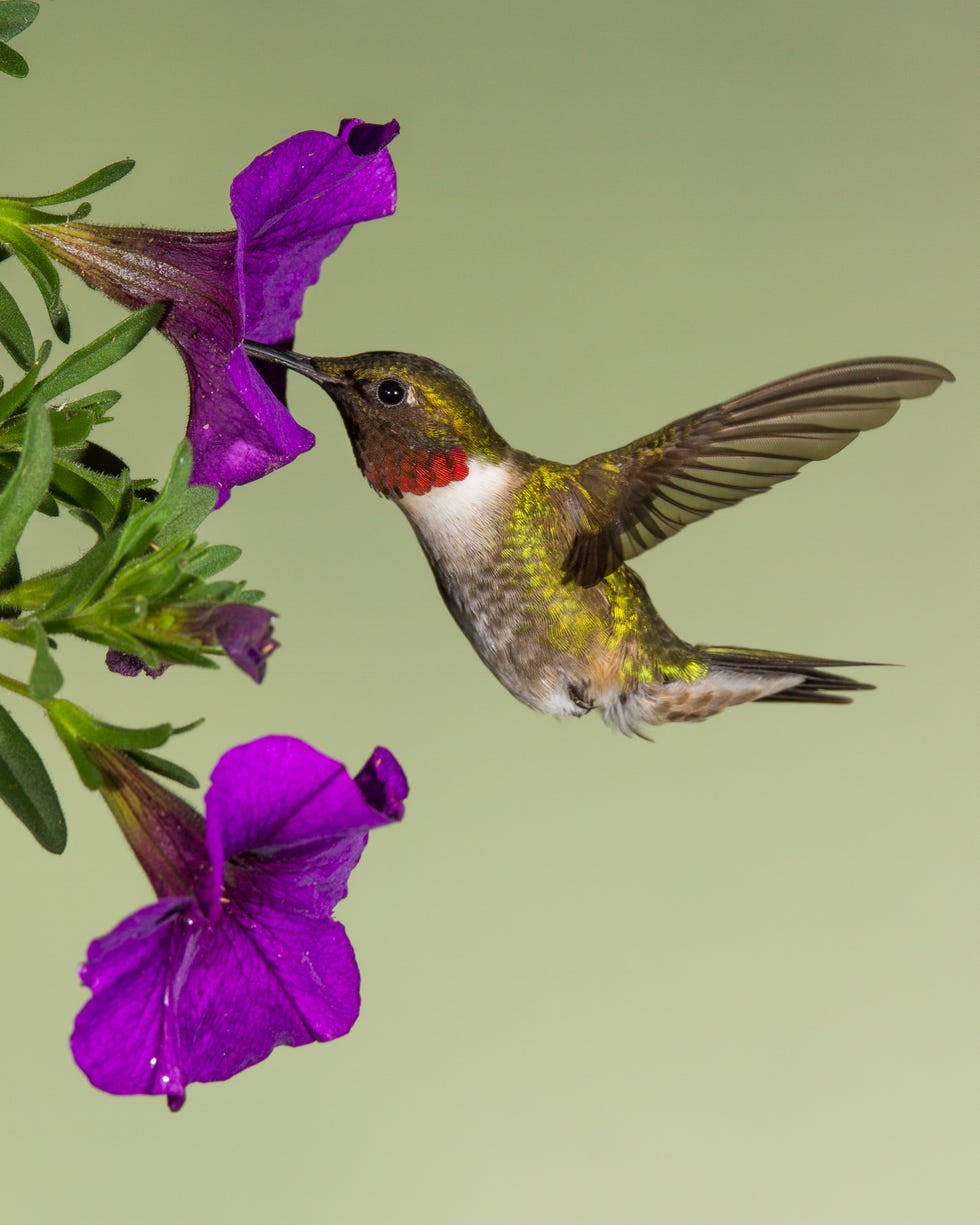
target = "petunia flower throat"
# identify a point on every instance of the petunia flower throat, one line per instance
(293, 206)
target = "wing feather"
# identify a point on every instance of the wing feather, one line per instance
(639, 495)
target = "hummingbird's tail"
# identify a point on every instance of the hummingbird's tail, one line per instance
(803, 675)
(735, 675)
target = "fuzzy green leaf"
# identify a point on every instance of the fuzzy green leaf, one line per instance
(99, 180)
(16, 16)
(99, 401)
(10, 576)
(13, 64)
(44, 273)
(27, 789)
(71, 426)
(163, 767)
(195, 506)
(15, 332)
(82, 489)
(175, 513)
(29, 483)
(17, 395)
(99, 354)
(82, 579)
(60, 713)
(212, 560)
(46, 678)
(85, 727)
(160, 765)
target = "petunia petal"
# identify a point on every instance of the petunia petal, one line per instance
(124, 1038)
(176, 999)
(298, 814)
(383, 783)
(367, 138)
(278, 792)
(294, 205)
(238, 430)
(261, 979)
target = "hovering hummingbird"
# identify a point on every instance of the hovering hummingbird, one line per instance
(529, 555)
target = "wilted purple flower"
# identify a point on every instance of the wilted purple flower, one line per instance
(125, 664)
(293, 206)
(243, 631)
(241, 954)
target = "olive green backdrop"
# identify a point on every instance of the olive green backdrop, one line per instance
(726, 978)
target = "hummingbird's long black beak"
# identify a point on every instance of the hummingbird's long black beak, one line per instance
(317, 369)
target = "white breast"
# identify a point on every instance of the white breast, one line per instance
(453, 520)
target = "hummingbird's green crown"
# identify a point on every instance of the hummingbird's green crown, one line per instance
(412, 422)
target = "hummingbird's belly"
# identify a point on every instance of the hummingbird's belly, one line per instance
(563, 649)
(558, 648)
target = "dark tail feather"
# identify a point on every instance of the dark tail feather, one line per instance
(816, 686)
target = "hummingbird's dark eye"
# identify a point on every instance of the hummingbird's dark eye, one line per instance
(391, 392)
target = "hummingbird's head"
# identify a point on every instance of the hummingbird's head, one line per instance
(412, 423)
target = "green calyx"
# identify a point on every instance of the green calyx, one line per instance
(17, 215)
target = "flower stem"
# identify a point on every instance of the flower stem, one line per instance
(8, 682)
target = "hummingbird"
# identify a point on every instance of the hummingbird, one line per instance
(530, 555)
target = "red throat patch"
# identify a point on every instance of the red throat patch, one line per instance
(417, 471)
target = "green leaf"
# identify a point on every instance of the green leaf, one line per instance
(82, 579)
(88, 772)
(10, 576)
(160, 765)
(100, 402)
(17, 395)
(29, 483)
(142, 529)
(99, 354)
(213, 559)
(15, 17)
(46, 678)
(195, 506)
(82, 489)
(84, 726)
(99, 180)
(187, 727)
(43, 271)
(11, 63)
(15, 333)
(27, 789)
(71, 426)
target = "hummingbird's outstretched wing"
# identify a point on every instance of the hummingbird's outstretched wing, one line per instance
(638, 495)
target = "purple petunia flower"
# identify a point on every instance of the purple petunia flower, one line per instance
(293, 206)
(241, 953)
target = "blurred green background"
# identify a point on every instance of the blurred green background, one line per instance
(727, 978)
